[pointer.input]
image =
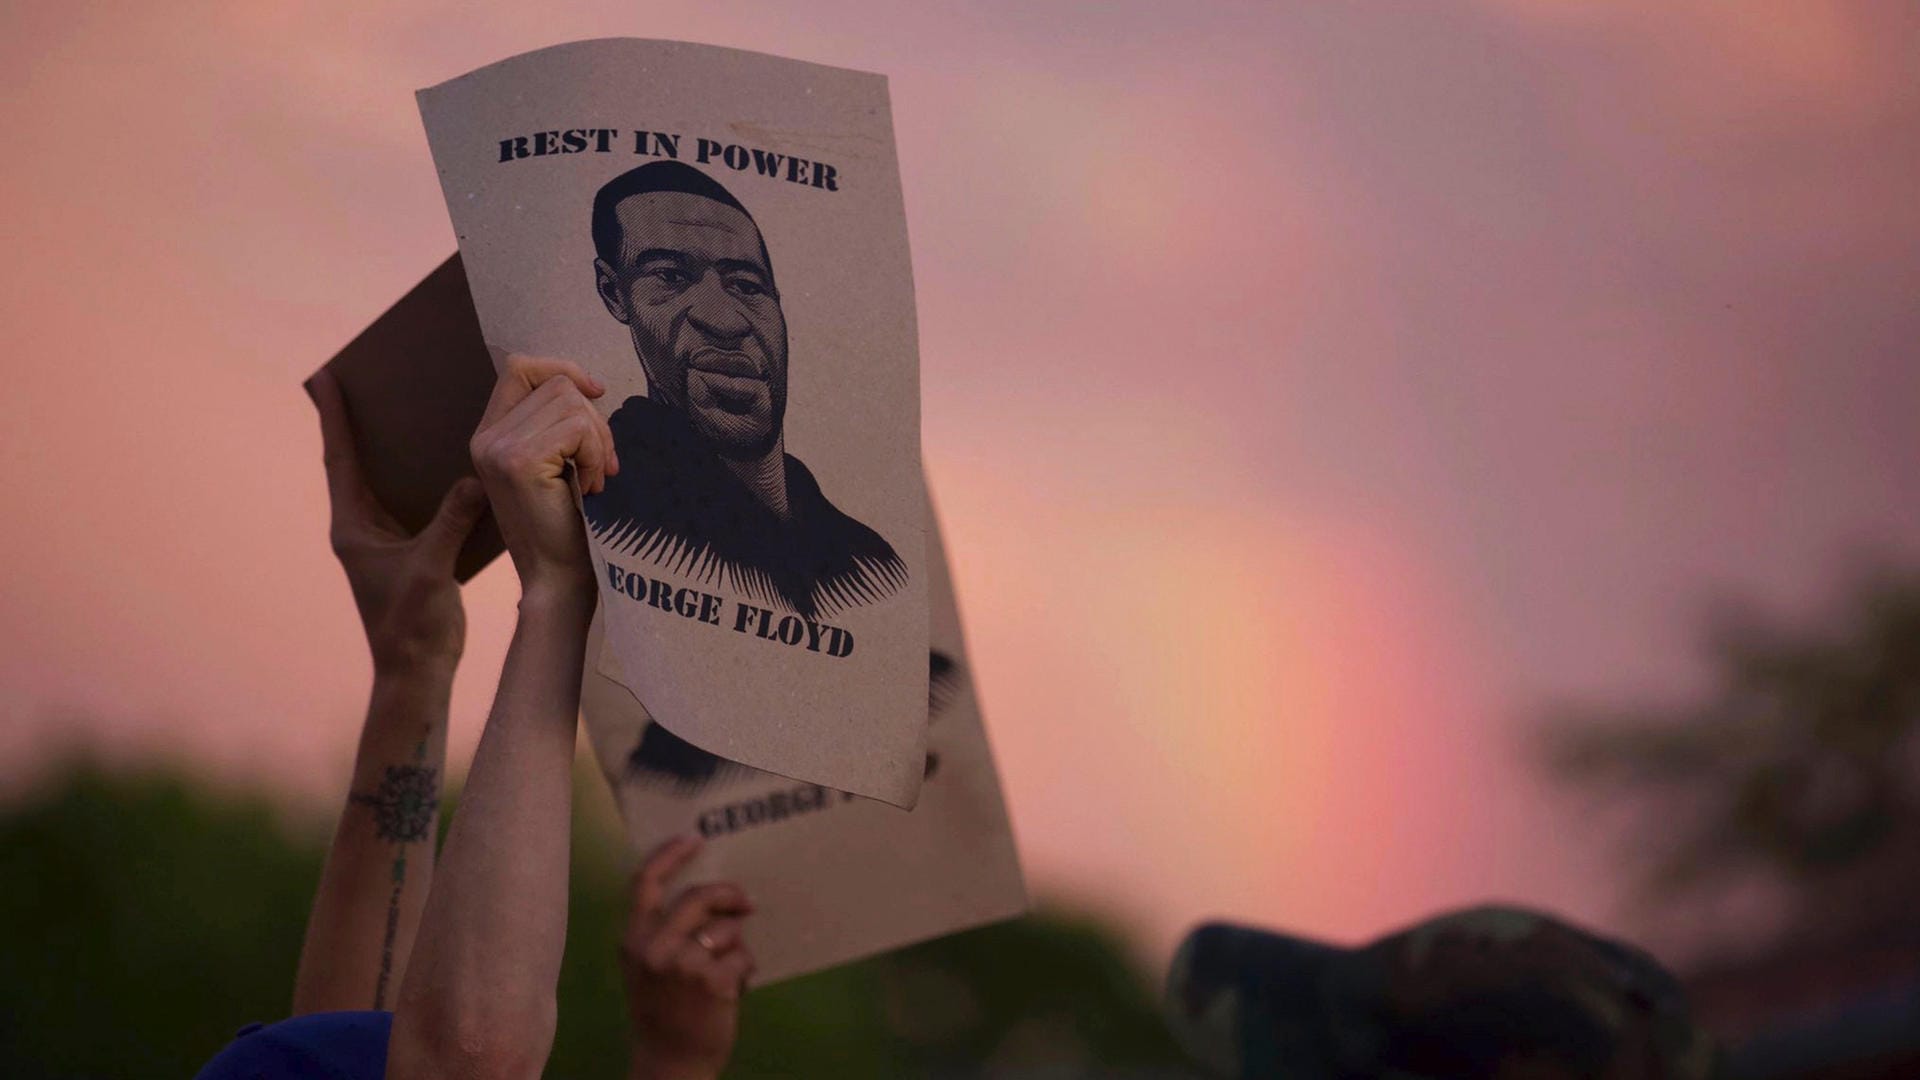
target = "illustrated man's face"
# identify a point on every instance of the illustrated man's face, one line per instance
(694, 289)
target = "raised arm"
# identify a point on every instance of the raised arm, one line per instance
(478, 999)
(378, 868)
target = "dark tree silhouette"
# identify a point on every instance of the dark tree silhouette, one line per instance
(1798, 774)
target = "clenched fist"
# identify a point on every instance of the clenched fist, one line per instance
(538, 424)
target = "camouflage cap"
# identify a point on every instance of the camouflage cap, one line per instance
(1492, 992)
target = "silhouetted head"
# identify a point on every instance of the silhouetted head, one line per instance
(1487, 993)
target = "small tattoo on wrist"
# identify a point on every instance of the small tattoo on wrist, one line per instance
(405, 803)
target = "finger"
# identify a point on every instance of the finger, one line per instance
(561, 386)
(559, 439)
(460, 510)
(563, 419)
(721, 973)
(719, 935)
(551, 425)
(589, 452)
(702, 904)
(552, 390)
(521, 375)
(727, 975)
(346, 487)
(689, 960)
(694, 908)
(609, 456)
(606, 439)
(651, 880)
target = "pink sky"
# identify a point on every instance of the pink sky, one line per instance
(1312, 392)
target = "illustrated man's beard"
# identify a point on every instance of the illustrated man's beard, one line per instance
(737, 436)
(730, 436)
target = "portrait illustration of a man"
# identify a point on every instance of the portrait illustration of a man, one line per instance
(706, 487)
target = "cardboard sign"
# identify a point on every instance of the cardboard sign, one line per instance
(416, 383)
(719, 237)
(833, 877)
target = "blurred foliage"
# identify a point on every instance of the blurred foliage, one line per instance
(1801, 769)
(143, 922)
(145, 918)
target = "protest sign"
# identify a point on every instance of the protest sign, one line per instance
(719, 237)
(837, 877)
(833, 877)
(416, 383)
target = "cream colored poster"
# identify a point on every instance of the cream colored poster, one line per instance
(833, 877)
(719, 237)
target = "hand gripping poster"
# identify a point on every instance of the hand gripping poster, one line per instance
(718, 236)
(834, 877)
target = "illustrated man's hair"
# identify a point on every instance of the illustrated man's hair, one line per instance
(651, 177)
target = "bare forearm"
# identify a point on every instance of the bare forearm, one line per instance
(378, 869)
(482, 978)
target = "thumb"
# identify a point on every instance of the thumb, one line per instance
(460, 510)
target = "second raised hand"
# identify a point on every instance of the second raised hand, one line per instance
(402, 583)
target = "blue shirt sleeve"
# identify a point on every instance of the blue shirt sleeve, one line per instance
(318, 1046)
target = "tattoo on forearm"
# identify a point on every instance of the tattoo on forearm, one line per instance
(403, 812)
(393, 930)
(403, 806)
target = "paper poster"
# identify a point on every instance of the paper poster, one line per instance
(833, 877)
(719, 237)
